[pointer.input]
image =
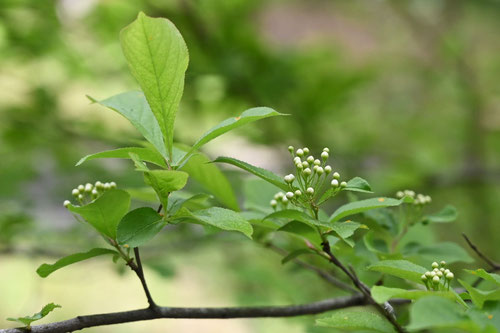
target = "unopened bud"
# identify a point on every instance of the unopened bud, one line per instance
(307, 171)
(88, 187)
(435, 279)
(299, 152)
(435, 265)
(81, 188)
(291, 149)
(343, 184)
(75, 192)
(310, 159)
(400, 194)
(66, 203)
(326, 150)
(335, 183)
(306, 150)
(450, 276)
(273, 203)
(320, 171)
(328, 169)
(336, 175)
(112, 185)
(298, 193)
(324, 155)
(289, 195)
(443, 263)
(310, 190)
(424, 278)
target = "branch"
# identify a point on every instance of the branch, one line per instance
(140, 273)
(495, 266)
(82, 322)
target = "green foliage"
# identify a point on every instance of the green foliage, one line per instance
(362, 206)
(382, 294)
(46, 269)
(492, 277)
(401, 268)
(165, 181)
(356, 320)
(27, 320)
(224, 219)
(143, 154)
(436, 312)
(139, 226)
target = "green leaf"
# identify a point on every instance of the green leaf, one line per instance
(294, 254)
(356, 320)
(447, 251)
(491, 277)
(446, 215)
(229, 124)
(211, 179)
(401, 268)
(139, 226)
(143, 154)
(27, 320)
(362, 206)
(382, 294)
(347, 229)
(46, 269)
(434, 312)
(358, 184)
(224, 219)
(105, 212)
(303, 231)
(259, 172)
(165, 181)
(158, 58)
(480, 296)
(176, 203)
(134, 106)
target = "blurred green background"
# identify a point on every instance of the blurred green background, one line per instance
(405, 93)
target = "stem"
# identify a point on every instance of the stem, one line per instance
(140, 273)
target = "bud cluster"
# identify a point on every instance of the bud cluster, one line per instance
(418, 199)
(439, 278)
(85, 194)
(311, 175)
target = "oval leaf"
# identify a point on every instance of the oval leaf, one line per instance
(143, 154)
(356, 320)
(362, 206)
(139, 226)
(224, 219)
(401, 268)
(165, 181)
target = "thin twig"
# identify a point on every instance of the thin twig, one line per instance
(474, 248)
(140, 273)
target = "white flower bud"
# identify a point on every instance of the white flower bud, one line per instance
(441, 269)
(336, 175)
(428, 274)
(424, 278)
(94, 192)
(435, 265)
(273, 203)
(400, 194)
(75, 192)
(328, 169)
(66, 203)
(343, 184)
(306, 150)
(297, 160)
(446, 271)
(279, 195)
(310, 190)
(315, 168)
(81, 188)
(299, 166)
(317, 162)
(428, 198)
(335, 183)
(320, 171)
(112, 185)
(98, 185)
(299, 152)
(435, 270)
(433, 274)
(305, 164)
(310, 159)
(291, 149)
(284, 200)
(289, 178)
(289, 195)
(88, 187)
(450, 276)
(80, 197)
(409, 193)
(326, 150)
(439, 273)
(324, 155)
(435, 280)
(298, 193)
(307, 172)
(107, 186)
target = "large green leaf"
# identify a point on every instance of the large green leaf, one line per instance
(105, 212)
(446, 215)
(46, 269)
(435, 312)
(158, 58)
(143, 154)
(134, 106)
(400, 268)
(362, 206)
(211, 179)
(491, 277)
(165, 181)
(139, 226)
(259, 172)
(480, 296)
(358, 184)
(224, 219)
(356, 320)
(27, 320)
(382, 294)
(447, 251)
(303, 231)
(229, 124)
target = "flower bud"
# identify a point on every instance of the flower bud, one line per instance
(310, 190)
(75, 192)
(310, 159)
(291, 149)
(441, 269)
(306, 150)
(80, 197)
(299, 166)
(435, 265)
(336, 175)
(328, 169)
(299, 152)
(284, 200)
(343, 184)
(289, 195)
(443, 263)
(433, 274)
(326, 150)
(317, 162)
(324, 155)
(424, 278)
(81, 188)
(112, 185)
(435, 279)
(88, 187)
(450, 276)
(428, 274)
(439, 273)
(98, 185)
(273, 203)
(315, 168)
(289, 178)
(297, 160)
(435, 270)
(66, 203)
(94, 192)
(446, 271)
(305, 164)
(298, 193)
(400, 194)
(307, 172)
(335, 183)
(279, 195)
(107, 186)
(319, 170)
(428, 199)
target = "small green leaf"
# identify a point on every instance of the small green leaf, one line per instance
(229, 124)
(27, 320)
(358, 184)
(446, 215)
(401, 268)
(382, 294)
(224, 219)
(435, 312)
(158, 58)
(143, 154)
(211, 179)
(294, 254)
(303, 231)
(259, 172)
(165, 181)
(139, 226)
(447, 251)
(134, 106)
(356, 320)
(105, 212)
(176, 203)
(46, 269)
(491, 277)
(362, 206)
(480, 296)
